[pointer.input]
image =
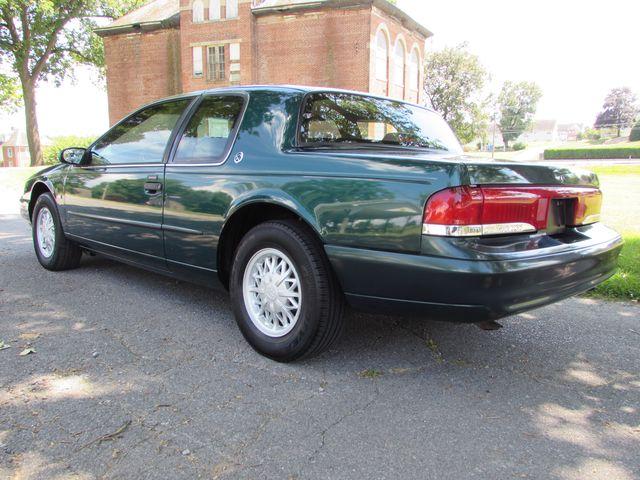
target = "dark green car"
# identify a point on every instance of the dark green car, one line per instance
(299, 201)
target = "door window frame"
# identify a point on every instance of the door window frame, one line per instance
(231, 140)
(86, 161)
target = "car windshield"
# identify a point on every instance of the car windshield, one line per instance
(335, 119)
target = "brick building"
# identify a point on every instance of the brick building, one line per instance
(15, 150)
(174, 46)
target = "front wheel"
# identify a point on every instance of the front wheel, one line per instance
(285, 298)
(53, 249)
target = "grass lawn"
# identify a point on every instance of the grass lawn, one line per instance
(590, 151)
(620, 185)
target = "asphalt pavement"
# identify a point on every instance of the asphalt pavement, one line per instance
(134, 375)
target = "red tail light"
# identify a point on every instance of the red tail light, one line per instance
(491, 210)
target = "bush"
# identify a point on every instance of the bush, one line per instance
(50, 153)
(593, 135)
(592, 153)
(634, 136)
(519, 146)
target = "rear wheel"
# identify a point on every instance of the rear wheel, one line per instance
(285, 298)
(52, 248)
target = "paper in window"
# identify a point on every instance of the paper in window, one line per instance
(219, 128)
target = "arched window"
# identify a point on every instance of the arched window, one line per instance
(232, 8)
(214, 9)
(414, 71)
(382, 56)
(198, 11)
(398, 63)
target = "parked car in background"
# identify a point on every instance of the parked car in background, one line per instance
(299, 200)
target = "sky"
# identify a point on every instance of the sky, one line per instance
(576, 51)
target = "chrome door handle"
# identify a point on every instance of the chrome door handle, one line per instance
(152, 188)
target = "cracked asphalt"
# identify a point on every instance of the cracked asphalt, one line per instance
(138, 376)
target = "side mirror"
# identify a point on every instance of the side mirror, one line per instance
(72, 156)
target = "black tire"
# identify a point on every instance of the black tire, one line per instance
(65, 254)
(319, 322)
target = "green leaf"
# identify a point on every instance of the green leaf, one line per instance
(454, 83)
(517, 103)
(10, 95)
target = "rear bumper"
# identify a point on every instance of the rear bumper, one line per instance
(472, 290)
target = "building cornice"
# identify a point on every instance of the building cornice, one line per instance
(171, 22)
(384, 5)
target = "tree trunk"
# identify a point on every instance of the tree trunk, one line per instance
(33, 135)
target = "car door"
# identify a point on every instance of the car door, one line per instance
(195, 197)
(114, 199)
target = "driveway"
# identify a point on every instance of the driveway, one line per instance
(138, 376)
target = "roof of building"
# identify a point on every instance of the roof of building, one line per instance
(166, 13)
(17, 138)
(154, 14)
(543, 125)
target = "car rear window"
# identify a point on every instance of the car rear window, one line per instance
(342, 119)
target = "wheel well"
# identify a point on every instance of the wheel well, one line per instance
(239, 224)
(37, 190)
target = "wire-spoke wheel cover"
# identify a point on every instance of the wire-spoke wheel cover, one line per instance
(272, 292)
(45, 232)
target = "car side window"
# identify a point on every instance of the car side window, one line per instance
(209, 132)
(141, 138)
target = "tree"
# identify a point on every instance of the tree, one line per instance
(517, 103)
(618, 111)
(634, 136)
(45, 38)
(10, 97)
(454, 80)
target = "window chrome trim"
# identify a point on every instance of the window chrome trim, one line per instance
(233, 137)
(476, 230)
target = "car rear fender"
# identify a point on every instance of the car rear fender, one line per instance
(272, 197)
